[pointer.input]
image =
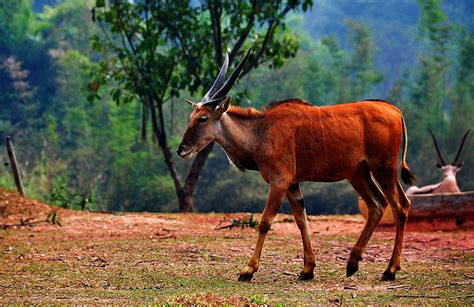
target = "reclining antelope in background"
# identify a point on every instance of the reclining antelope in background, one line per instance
(449, 183)
(292, 141)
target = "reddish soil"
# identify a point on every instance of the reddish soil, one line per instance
(89, 241)
(80, 225)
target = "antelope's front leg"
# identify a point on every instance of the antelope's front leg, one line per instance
(295, 197)
(275, 198)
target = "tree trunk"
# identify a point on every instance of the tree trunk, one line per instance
(183, 192)
(186, 203)
(195, 170)
(184, 199)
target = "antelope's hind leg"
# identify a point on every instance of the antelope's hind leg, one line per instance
(363, 183)
(275, 198)
(295, 197)
(400, 205)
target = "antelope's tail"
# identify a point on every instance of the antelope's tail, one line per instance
(407, 176)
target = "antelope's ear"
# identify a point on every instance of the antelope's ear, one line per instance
(191, 103)
(223, 106)
(459, 166)
(439, 165)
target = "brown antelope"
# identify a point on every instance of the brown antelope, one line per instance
(449, 183)
(292, 141)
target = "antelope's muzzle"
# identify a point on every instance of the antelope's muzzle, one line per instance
(184, 152)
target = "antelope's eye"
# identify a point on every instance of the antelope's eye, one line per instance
(202, 119)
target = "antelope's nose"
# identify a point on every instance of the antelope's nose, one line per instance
(179, 150)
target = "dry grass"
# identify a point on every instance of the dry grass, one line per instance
(172, 258)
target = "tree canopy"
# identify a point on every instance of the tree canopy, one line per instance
(71, 150)
(155, 49)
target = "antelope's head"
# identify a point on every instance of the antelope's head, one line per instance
(204, 121)
(453, 167)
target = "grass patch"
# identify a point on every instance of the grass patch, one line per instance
(199, 265)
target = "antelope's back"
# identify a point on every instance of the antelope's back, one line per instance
(330, 142)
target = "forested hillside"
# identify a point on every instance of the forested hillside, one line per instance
(417, 54)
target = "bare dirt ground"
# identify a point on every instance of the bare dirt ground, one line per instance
(180, 258)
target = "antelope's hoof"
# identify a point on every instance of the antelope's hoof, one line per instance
(388, 276)
(351, 269)
(306, 276)
(246, 277)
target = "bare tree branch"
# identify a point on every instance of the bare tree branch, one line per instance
(184, 48)
(268, 37)
(214, 12)
(244, 35)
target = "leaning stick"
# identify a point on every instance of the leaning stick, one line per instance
(14, 165)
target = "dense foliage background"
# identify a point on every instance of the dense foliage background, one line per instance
(417, 54)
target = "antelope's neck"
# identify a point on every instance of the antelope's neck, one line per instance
(451, 180)
(449, 184)
(236, 137)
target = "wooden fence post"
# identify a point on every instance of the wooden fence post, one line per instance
(16, 172)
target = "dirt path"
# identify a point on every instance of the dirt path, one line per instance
(180, 258)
